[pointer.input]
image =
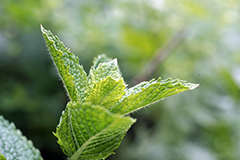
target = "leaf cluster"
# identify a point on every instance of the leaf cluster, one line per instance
(95, 120)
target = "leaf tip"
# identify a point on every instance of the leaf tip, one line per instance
(42, 28)
(55, 134)
(192, 86)
(134, 120)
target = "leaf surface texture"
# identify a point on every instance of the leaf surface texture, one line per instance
(13, 145)
(90, 132)
(72, 74)
(106, 92)
(150, 92)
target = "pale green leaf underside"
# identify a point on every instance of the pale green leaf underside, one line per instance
(147, 93)
(106, 92)
(90, 132)
(71, 73)
(13, 145)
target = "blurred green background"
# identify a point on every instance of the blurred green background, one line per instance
(195, 40)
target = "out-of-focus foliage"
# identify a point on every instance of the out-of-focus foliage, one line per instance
(203, 124)
(13, 145)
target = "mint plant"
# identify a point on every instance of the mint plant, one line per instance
(95, 120)
(97, 116)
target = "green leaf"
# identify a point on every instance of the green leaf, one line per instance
(101, 71)
(100, 59)
(102, 68)
(13, 145)
(90, 132)
(106, 92)
(150, 92)
(72, 74)
(2, 157)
